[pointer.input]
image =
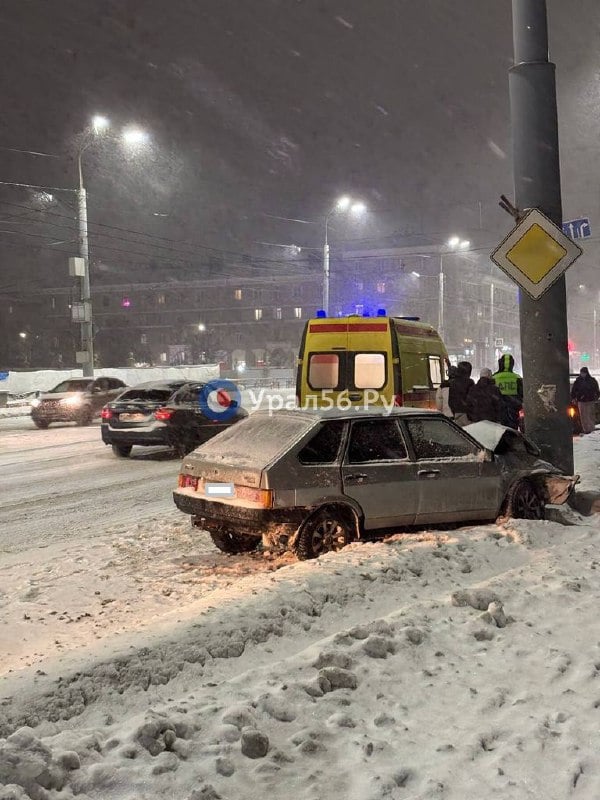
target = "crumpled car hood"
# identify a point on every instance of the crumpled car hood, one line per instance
(491, 435)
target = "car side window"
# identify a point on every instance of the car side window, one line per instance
(436, 438)
(376, 440)
(324, 446)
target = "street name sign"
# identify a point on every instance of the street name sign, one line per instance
(535, 253)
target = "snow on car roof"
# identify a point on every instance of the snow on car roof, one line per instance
(353, 413)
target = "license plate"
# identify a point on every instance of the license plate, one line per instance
(132, 417)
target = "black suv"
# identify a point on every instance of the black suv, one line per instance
(75, 400)
(162, 413)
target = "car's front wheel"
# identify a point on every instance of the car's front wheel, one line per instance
(42, 424)
(234, 543)
(121, 450)
(524, 501)
(327, 531)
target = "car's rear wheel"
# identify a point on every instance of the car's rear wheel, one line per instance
(327, 531)
(121, 450)
(524, 501)
(42, 424)
(234, 543)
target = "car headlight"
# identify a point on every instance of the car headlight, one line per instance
(71, 401)
(35, 402)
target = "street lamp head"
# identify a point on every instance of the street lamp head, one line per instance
(100, 123)
(343, 203)
(358, 208)
(416, 274)
(464, 245)
(135, 136)
(453, 242)
(23, 335)
(201, 327)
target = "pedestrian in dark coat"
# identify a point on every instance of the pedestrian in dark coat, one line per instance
(585, 393)
(484, 400)
(457, 394)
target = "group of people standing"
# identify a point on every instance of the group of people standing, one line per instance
(496, 397)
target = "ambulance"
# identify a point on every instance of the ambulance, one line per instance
(369, 361)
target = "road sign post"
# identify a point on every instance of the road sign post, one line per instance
(537, 186)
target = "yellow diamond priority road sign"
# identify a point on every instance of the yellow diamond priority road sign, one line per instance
(535, 253)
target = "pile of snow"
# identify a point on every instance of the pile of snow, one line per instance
(440, 666)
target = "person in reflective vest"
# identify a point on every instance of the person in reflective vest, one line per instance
(511, 388)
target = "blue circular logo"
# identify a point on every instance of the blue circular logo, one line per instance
(219, 400)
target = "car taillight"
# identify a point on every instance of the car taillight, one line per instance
(106, 413)
(262, 497)
(398, 400)
(521, 414)
(187, 481)
(163, 414)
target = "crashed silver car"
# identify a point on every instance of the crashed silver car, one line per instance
(313, 481)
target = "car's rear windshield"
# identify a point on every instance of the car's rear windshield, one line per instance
(72, 386)
(150, 395)
(257, 441)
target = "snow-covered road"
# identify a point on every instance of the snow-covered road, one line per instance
(146, 664)
(64, 482)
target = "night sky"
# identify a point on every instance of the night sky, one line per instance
(272, 108)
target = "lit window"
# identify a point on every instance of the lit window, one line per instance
(323, 370)
(369, 370)
(160, 298)
(238, 294)
(258, 313)
(278, 314)
(298, 312)
(381, 287)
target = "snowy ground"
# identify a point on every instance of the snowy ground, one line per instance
(139, 662)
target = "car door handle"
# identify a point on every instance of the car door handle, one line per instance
(358, 477)
(428, 473)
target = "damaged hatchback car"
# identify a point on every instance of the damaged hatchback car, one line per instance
(313, 481)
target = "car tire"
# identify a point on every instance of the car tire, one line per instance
(524, 501)
(121, 450)
(326, 531)
(42, 424)
(85, 417)
(234, 543)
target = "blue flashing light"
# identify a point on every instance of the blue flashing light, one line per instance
(381, 312)
(321, 313)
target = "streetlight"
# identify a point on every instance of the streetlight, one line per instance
(201, 327)
(454, 243)
(344, 203)
(98, 126)
(23, 335)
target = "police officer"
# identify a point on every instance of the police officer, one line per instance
(511, 387)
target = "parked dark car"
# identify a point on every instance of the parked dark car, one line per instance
(162, 413)
(75, 400)
(314, 481)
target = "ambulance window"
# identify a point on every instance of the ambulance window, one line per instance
(435, 371)
(369, 370)
(323, 370)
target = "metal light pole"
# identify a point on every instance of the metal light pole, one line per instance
(492, 331)
(537, 185)
(343, 204)
(87, 330)
(595, 360)
(441, 298)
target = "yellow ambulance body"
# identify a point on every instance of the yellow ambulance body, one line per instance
(370, 361)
